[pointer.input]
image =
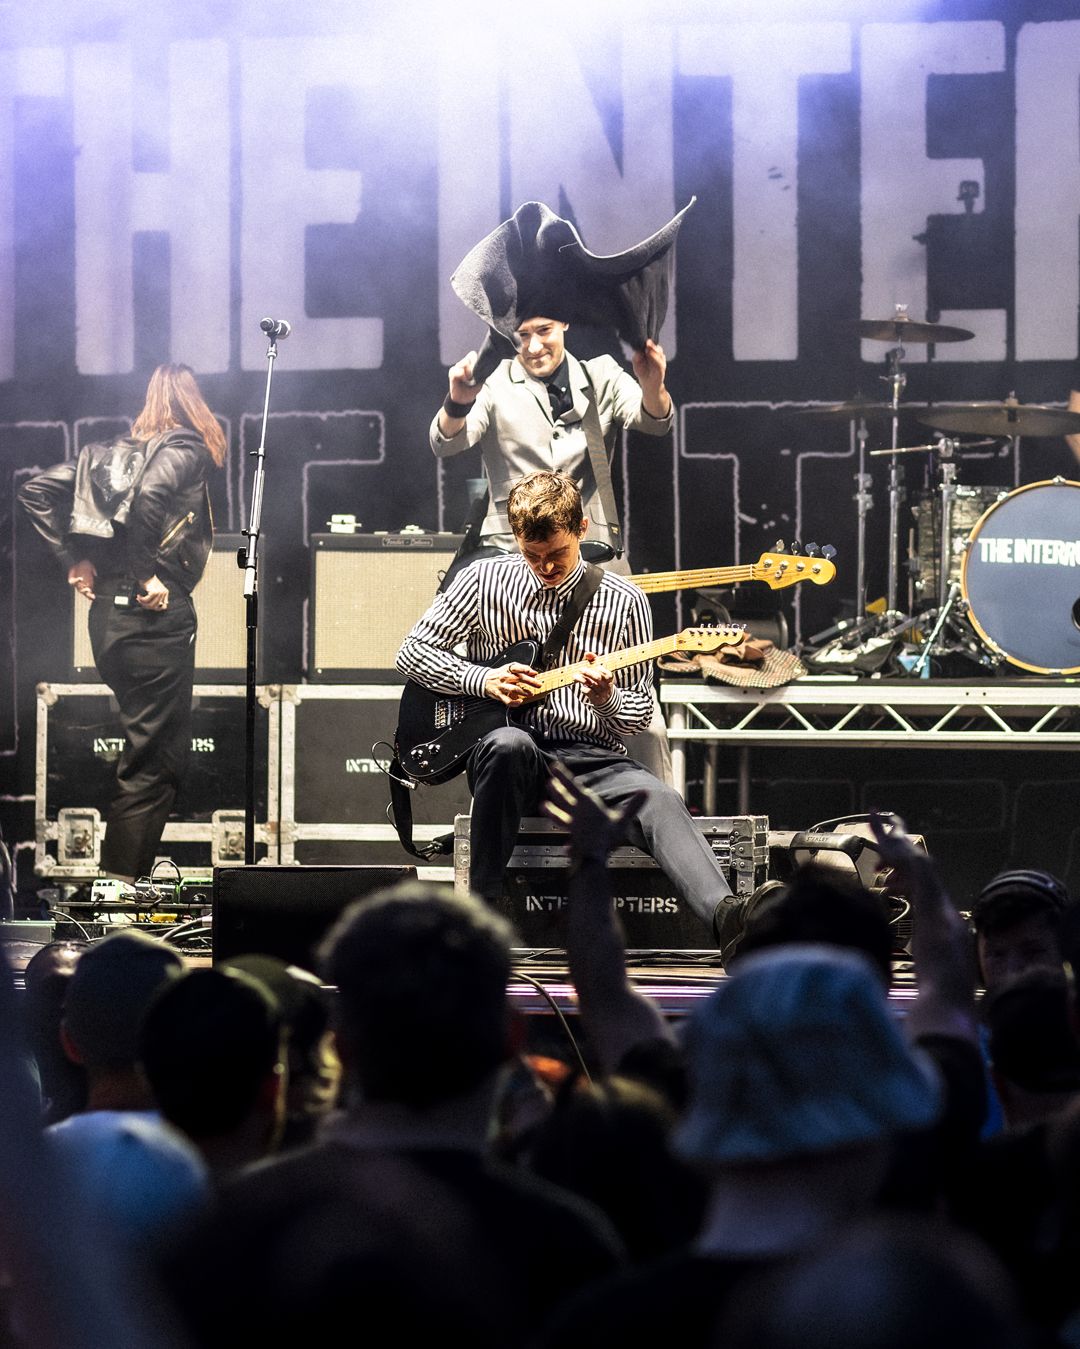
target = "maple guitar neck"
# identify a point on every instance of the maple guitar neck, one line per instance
(637, 655)
(657, 581)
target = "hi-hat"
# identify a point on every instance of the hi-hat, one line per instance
(1009, 418)
(857, 408)
(901, 329)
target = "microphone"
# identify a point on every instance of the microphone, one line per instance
(276, 327)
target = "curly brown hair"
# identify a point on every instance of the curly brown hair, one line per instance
(540, 504)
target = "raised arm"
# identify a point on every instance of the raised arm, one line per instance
(463, 417)
(617, 1017)
(940, 944)
(650, 367)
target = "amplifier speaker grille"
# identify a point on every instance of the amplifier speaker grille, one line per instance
(367, 591)
(221, 644)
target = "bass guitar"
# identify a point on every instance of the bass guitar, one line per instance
(437, 731)
(777, 570)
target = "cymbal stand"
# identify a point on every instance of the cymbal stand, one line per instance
(864, 503)
(897, 379)
(948, 496)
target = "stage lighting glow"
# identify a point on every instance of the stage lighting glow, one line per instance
(608, 14)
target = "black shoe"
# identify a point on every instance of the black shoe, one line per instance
(729, 925)
(733, 916)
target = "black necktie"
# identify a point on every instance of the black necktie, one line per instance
(561, 402)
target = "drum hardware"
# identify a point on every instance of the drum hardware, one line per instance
(857, 409)
(900, 328)
(930, 645)
(897, 379)
(1009, 420)
(948, 449)
(864, 502)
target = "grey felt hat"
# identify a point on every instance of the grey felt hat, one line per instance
(798, 1052)
(536, 264)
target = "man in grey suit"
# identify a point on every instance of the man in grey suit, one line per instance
(532, 414)
(536, 412)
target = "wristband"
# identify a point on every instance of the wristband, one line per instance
(458, 411)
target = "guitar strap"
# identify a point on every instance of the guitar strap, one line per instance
(587, 586)
(400, 807)
(601, 466)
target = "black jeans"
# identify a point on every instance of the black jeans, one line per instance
(508, 773)
(147, 658)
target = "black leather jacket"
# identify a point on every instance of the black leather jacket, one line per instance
(169, 528)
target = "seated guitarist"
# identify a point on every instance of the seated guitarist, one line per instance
(498, 602)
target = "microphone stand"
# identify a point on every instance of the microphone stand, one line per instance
(248, 558)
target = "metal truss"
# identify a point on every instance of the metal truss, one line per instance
(872, 714)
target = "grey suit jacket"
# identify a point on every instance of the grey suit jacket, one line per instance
(511, 422)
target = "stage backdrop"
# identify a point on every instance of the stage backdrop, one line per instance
(169, 175)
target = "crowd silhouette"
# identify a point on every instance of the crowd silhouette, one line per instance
(250, 1152)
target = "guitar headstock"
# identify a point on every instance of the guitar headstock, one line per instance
(705, 640)
(779, 569)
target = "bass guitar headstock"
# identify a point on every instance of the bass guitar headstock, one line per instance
(779, 568)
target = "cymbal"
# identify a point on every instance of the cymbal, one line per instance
(902, 329)
(1001, 419)
(855, 408)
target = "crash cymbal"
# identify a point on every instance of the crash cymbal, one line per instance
(855, 408)
(901, 329)
(1001, 419)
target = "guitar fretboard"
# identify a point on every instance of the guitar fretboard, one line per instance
(654, 582)
(701, 640)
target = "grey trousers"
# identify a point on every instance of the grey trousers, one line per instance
(508, 773)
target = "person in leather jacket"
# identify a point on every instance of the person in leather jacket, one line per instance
(131, 525)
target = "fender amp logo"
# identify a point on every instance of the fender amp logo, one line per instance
(1040, 552)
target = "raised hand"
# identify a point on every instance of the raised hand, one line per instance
(462, 388)
(650, 367)
(941, 948)
(594, 828)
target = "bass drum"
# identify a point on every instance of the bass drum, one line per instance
(1021, 577)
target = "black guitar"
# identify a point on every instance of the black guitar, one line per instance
(437, 732)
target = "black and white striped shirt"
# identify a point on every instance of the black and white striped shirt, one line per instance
(499, 601)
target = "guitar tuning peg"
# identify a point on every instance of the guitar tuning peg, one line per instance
(828, 552)
(812, 550)
(796, 547)
(779, 546)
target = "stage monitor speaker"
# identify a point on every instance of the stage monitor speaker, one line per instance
(286, 911)
(221, 643)
(367, 590)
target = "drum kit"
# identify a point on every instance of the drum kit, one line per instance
(994, 573)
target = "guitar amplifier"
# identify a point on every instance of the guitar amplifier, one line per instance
(652, 915)
(367, 590)
(221, 641)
